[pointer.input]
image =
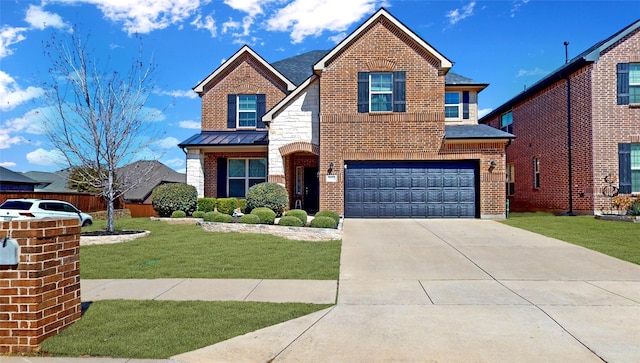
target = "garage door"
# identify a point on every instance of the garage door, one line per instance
(411, 190)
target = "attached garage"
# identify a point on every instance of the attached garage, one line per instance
(425, 189)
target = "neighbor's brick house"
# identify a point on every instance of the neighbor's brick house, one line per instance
(375, 127)
(596, 96)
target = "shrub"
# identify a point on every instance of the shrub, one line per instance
(207, 204)
(269, 195)
(178, 214)
(622, 202)
(242, 204)
(227, 205)
(266, 215)
(634, 209)
(290, 221)
(330, 214)
(198, 214)
(298, 213)
(323, 222)
(170, 197)
(249, 219)
(218, 217)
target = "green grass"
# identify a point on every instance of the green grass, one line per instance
(186, 251)
(161, 329)
(614, 238)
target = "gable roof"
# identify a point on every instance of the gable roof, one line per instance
(199, 88)
(50, 182)
(382, 13)
(9, 176)
(298, 68)
(591, 55)
(152, 173)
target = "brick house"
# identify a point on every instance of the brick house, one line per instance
(376, 127)
(574, 127)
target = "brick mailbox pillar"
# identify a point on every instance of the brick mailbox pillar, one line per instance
(40, 296)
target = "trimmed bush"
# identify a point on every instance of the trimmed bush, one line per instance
(242, 204)
(266, 215)
(249, 219)
(330, 214)
(323, 222)
(227, 205)
(298, 213)
(217, 217)
(291, 221)
(208, 217)
(207, 204)
(198, 214)
(170, 197)
(178, 214)
(269, 195)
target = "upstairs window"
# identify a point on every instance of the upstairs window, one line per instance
(246, 111)
(628, 83)
(452, 105)
(506, 122)
(381, 92)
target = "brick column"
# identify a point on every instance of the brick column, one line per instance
(41, 295)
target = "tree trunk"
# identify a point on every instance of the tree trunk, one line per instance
(110, 199)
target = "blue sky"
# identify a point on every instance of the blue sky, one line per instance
(508, 44)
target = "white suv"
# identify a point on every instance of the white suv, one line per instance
(42, 208)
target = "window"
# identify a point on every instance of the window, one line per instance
(536, 173)
(243, 174)
(452, 105)
(246, 111)
(635, 168)
(506, 122)
(511, 185)
(381, 92)
(634, 83)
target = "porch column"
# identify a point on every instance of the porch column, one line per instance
(195, 170)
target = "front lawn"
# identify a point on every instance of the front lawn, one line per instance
(161, 329)
(617, 239)
(186, 251)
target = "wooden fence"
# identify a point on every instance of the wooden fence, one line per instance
(87, 203)
(141, 210)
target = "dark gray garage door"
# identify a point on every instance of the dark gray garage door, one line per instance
(411, 190)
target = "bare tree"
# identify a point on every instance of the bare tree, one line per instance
(100, 122)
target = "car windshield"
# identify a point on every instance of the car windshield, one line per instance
(16, 204)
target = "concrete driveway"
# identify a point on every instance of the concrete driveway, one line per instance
(458, 291)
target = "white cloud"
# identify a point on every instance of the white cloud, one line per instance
(40, 19)
(7, 164)
(252, 7)
(31, 123)
(174, 163)
(151, 114)
(6, 140)
(230, 24)
(338, 37)
(483, 112)
(12, 95)
(46, 157)
(208, 24)
(9, 36)
(531, 72)
(311, 17)
(167, 142)
(145, 16)
(190, 124)
(459, 14)
(516, 6)
(178, 93)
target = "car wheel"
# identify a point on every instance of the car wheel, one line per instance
(87, 223)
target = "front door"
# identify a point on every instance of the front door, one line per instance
(311, 189)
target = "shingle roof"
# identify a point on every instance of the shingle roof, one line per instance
(9, 176)
(298, 68)
(227, 138)
(50, 182)
(588, 56)
(148, 174)
(474, 132)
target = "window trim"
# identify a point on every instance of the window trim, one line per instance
(372, 93)
(634, 85)
(247, 178)
(635, 148)
(457, 105)
(536, 172)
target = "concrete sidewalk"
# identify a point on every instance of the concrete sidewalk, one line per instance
(298, 291)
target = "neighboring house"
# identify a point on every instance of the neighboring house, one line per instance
(146, 175)
(55, 182)
(375, 127)
(10, 181)
(576, 126)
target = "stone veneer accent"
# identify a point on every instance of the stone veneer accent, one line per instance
(195, 171)
(41, 295)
